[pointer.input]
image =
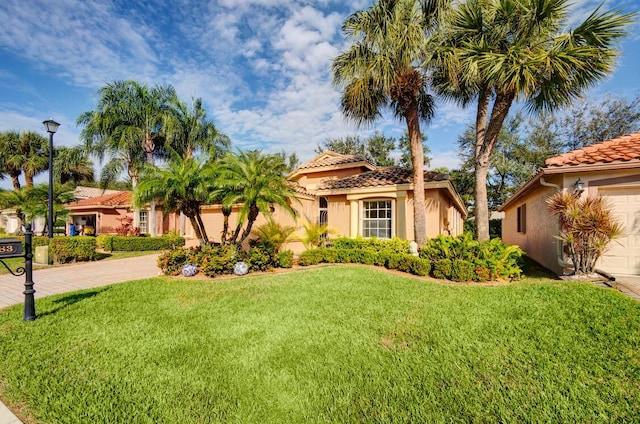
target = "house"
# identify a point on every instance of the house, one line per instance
(610, 169)
(103, 213)
(357, 198)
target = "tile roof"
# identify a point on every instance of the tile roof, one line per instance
(330, 158)
(380, 177)
(302, 190)
(621, 149)
(82, 192)
(119, 198)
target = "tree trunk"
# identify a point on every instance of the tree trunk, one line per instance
(253, 215)
(486, 137)
(226, 212)
(203, 231)
(196, 228)
(15, 181)
(417, 162)
(28, 180)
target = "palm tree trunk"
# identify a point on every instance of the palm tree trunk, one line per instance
(417, 162)
(226, 212)
(203, 231)
(28, 180)
(253, 215)
(486, 137)
(15, 181)
(196, 228)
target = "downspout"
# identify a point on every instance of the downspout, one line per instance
(559, 253)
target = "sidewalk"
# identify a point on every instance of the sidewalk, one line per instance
(71, 278)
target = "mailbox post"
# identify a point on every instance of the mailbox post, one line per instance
(12, 248)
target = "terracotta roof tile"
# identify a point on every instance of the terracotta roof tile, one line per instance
(82, 192)
(621, 149)
(301, 190)
(119, 198)
(381, 177)
(330, 158)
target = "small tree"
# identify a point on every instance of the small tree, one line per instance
(587, 226)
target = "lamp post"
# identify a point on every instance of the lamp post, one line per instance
(51, 126)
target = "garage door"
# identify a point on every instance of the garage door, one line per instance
(623, 256)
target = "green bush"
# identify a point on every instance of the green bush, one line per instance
(218, 260)
(491, 259)
(311, 257)
(414, 265)
(261, 257)
(442, 269)
(463, 271)
(111, 243)
(72, 249)
(394, 245)
(285, 259)
(171, 261)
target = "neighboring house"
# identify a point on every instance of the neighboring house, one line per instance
(104, 213)
(357, 198)
(610, 169)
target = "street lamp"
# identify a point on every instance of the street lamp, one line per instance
(51, 126)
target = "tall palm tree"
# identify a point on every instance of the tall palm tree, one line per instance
(381, 70)
(188, 131)
(34, 149)
(255, 182)
(71, 164)
(10, 161)
(503, 51)
(127, 125)
(25, 152)
(183, 184)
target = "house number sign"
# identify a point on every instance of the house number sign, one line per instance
(10, 248)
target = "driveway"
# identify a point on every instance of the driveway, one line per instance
(73, 277)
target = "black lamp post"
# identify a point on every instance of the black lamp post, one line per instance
(51, 126)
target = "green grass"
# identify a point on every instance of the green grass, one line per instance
(332, 344)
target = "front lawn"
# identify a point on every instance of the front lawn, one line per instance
(332, 344)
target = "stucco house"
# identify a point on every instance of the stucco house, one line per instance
(610, 169)
(357, 198)
(101, 212)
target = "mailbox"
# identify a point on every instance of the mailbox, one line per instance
(10, 248)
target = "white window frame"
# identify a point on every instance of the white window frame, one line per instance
(392, 219)
(144, 222)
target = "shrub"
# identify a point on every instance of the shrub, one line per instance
(394, 245)
(285, 259)
(311, 257)
(172, 261)
(462, 270)
(217, 260)
(492, 258)
(442, 269)
(261, 257)
(135, 243)
(72, 249)
(414, 265)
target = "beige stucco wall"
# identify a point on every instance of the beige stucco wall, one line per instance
(313, 178)
(539, 241)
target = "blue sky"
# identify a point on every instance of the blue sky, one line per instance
(262, 67)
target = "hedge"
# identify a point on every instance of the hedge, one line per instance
(214, 260)
(72, 249)
(398, 261)
(111, 243)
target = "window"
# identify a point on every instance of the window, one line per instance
(323, 214)
(522, 219)
(377, 218)
(144, 222)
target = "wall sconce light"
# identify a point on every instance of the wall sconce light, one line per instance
(578, 187)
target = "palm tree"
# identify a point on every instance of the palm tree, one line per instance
(183, 184)
(255, 182)
(71, 164)
(25, 152)
(188, 130)
(499, 52)
(127, 125)
(11, 162)
(31, 202)
(380, 70)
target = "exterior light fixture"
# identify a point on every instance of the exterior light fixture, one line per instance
(51, 126)
(578, 187)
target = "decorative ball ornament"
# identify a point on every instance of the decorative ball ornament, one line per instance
(189, 270)
(241, 268)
